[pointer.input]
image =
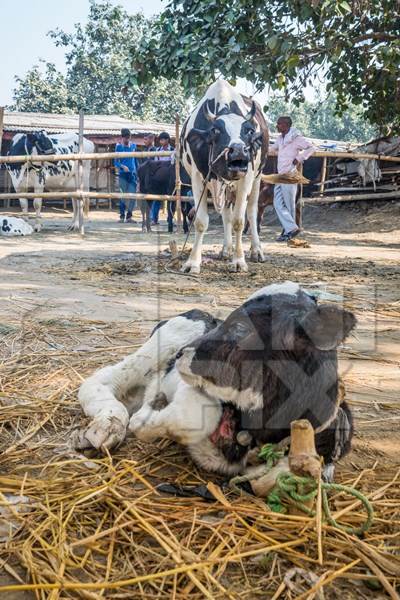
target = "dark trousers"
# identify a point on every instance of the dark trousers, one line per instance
(127, 185)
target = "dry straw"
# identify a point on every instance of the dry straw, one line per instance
(98, 528)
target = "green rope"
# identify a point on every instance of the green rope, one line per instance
(271, 455)
(294, 490)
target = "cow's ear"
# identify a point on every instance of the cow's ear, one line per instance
(328, 326)
(197, 138)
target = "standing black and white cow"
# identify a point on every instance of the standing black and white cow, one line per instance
(202, 381)
(225, 137)
(49, 176)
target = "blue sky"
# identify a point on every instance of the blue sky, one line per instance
(23, 38)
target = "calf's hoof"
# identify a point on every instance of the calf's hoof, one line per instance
(328, 473)
(103, 432)
(238, 266)
(37, 227)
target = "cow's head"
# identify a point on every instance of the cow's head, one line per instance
(231, 138)
(41, 141)
(279, 337)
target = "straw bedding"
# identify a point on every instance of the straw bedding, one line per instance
(98, 528)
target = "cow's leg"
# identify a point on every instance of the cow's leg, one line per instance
(227, 248)
(256, 252)
(37, 204)
(192, 265)
(238, 217)
(149, 204)
(23, 202)
(74, 225)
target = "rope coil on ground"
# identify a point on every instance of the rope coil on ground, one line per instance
(295, 490)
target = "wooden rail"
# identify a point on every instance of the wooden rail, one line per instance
(147, 154)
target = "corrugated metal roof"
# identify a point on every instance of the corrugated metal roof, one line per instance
(111, 125)
(93, 124)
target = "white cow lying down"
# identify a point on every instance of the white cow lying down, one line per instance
(12, 226)
(222, 387)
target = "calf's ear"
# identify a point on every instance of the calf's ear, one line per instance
(328, 326)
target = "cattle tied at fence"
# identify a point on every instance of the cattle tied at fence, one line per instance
(202, 381)
(159, 177)
(224, 144)
(51, 176)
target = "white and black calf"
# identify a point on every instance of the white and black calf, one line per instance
(225, 138)
(50, 176)
(220, 388)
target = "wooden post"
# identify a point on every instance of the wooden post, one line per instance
(97, 177)
(178, 185)
(300, 203)
(303, 458)
(80, 174)
(323, 174)
(6, 202)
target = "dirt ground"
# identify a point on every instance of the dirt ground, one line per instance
(117, 279)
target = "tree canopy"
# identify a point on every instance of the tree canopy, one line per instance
(97, 57)
(352, 45)
(318, 119)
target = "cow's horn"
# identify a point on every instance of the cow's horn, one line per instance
(252, 112)
(209, 115)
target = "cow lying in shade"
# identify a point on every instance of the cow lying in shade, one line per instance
(222, 387)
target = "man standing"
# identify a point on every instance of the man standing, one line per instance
(165, 145)
(127, 173)
(293, 149)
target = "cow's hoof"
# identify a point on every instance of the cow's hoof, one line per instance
(103, 432)
(237, 266)
(257, 256)
(226, 254)
(190, 267)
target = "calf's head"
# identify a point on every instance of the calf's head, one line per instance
(279, 347)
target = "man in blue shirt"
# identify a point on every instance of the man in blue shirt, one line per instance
(127, 173)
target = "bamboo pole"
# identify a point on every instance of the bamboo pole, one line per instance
(145, 153)
(6, 202)
(82, 156)
(323, 174)
(354, 197)
(178, 185)
(81, 200)
(78, 194)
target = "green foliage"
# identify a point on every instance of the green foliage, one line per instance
(319, 120)
(354, 45)
(99, 77)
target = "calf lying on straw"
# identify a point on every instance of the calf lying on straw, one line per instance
(221, 387)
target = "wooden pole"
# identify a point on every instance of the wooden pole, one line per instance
(299, 209)
(355, 197)
(6, 202)
(78, 194)
(80, 174)
(145, 154)
(303, 458)
(178, 185)
(323, 173)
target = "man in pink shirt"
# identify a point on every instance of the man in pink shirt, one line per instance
(293, 149)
